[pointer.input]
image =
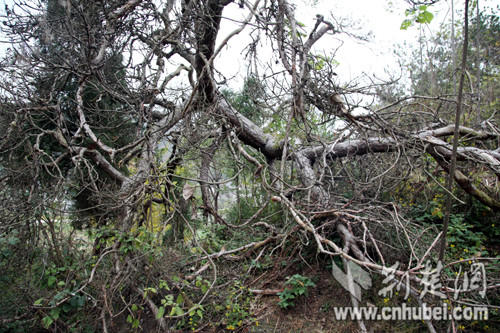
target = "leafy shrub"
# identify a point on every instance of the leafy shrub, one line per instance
(298, 286)
(237, 309)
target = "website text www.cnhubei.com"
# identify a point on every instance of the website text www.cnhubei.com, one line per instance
(404, 312)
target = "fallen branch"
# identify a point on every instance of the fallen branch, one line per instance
(253, 246)
(154, 309)
(266, 291)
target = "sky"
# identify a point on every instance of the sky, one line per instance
(381, 18)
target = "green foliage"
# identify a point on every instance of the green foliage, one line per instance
(63, 301)
(318, 62)
(298, 285)
(195, 317)
(110, 118)
(202, 284)
(461, 235)
(62, 290)
(430, 64)
(237, 308)
(250, 100)
(59, 289)
(300, 31)
(176, 303)
(486, 27)
(263, 264)
(326, 307)
(417, 15)
(468, 233)
(13, 300)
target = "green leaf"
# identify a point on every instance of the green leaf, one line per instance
(409, 12)
(164, 285)
(73, 301)
(60, 295)
(54, 313)
(173, 311)
(179, 311)
(146, 290)
(180, 299)
(13, 240)
(135, 323)
(51, 280)
(134, 307)
(77, 301)
(406, 24)
(47, 321)
(129, 319)
(161, 312)
(425, 17)
(66, 307)
(38, 302)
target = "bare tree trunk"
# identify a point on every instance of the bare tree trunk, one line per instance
(451, 174)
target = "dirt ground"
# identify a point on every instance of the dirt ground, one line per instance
(314, 312)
